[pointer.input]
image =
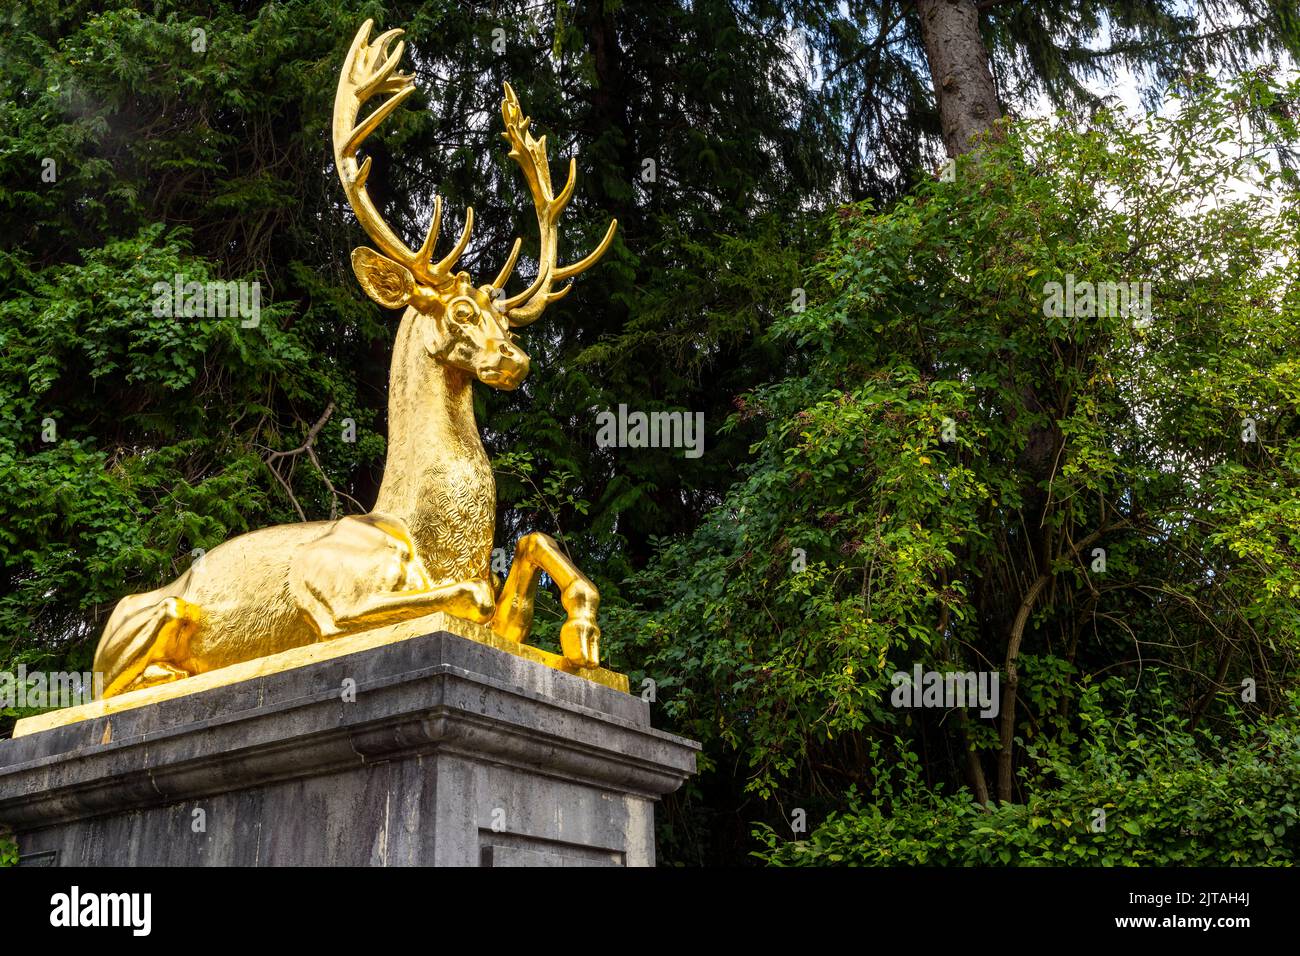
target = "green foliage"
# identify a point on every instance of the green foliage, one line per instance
(1132, 792)
(920, 550)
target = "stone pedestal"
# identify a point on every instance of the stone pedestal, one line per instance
(448, 753)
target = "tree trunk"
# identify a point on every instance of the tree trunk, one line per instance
(974, 769)
(968, 105)
(959, 70)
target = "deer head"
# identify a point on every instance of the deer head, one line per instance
(467, 326)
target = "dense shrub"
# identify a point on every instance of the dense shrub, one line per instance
(1132, 792)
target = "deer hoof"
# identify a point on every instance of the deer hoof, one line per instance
(159, 672)
(580, 641)
(479, 601)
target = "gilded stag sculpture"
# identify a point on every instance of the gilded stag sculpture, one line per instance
(427, 544)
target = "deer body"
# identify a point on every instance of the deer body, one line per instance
(427, 544)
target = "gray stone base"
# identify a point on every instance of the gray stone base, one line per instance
(452, 754)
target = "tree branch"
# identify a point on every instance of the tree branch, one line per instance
(306, 447)
(1008, 719)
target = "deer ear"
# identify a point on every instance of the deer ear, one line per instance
(389, 284)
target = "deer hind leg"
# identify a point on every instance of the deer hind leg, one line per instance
(579, 635)
(145, 647)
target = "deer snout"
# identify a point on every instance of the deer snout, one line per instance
(504, 365)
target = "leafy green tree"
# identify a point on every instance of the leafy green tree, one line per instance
(1162, 797)
(883, 522)
(911, 78)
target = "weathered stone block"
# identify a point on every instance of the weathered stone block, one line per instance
(453, 753)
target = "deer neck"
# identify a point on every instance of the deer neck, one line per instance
(437, 476)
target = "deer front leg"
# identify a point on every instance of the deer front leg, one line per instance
(579, 635)
(364, 573)
(468, 600)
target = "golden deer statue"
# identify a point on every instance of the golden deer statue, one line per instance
(427, 544)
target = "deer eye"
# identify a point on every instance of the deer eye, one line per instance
(463, 312)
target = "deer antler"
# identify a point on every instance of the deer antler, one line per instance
(530, 154)
(367, 71)
(370, 70)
